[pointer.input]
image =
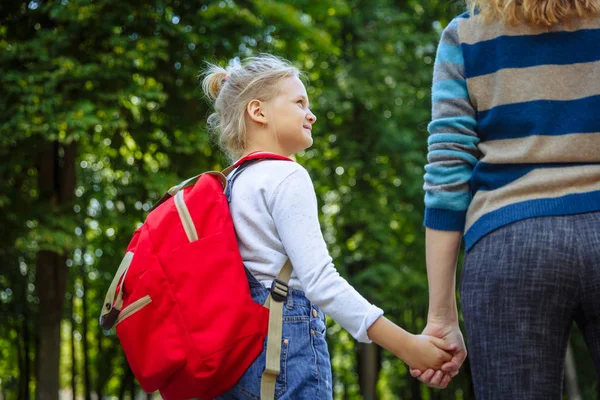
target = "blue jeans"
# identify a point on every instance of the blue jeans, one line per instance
(522, 287)
(305, 366)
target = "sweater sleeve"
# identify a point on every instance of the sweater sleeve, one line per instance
(452, 151)
(293, 206)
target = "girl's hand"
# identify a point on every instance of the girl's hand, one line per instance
(450, 334)
(425, 352)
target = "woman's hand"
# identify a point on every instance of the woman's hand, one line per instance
(453, 341)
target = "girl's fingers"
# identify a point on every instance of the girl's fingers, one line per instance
(445, 356)
(442, 344)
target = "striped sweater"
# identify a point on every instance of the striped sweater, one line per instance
(515, 130)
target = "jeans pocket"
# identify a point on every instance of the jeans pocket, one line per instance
(250, 383)
(317, 324)
(319, 344)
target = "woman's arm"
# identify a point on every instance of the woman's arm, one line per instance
(442, 249)
(452, 155)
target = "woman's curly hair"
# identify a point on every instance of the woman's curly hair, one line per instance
(535, 12)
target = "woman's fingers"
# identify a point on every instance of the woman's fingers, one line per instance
(415, 373)
(445, 381)
(436, 380)
(427, 375)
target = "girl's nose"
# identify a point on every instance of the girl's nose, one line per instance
(312, 118)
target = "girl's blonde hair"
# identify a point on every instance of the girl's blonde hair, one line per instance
(233, 88)
(535, 12)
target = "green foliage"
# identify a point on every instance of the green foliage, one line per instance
(118, 79)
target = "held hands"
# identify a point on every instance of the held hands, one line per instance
(452, 340)
(425, 352)
(421, 352)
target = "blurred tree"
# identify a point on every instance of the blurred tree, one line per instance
(100, 114)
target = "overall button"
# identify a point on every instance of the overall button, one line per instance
(315, 313)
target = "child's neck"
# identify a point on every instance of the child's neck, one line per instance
(266, 147)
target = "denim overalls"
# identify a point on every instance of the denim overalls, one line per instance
(305, 365)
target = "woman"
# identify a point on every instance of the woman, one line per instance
(514, 167)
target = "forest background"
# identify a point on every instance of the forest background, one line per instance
(101, 112)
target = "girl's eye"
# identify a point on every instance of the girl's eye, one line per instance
(301, 102)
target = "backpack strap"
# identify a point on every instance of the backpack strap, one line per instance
(175, 189)
(279, 292)
(222, 175)
(113, 301)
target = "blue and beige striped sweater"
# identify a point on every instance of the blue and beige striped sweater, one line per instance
(515, 129)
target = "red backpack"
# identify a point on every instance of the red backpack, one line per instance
(181, 302)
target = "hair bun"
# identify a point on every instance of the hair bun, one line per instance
(214, 81)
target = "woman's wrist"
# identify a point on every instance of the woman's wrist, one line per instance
(443, 315)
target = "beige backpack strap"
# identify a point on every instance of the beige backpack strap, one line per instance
(275, 300)
(175, 189)
(222, 177)
(227, 170)
(114, 302)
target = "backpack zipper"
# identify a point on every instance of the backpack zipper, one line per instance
(133, 308)
(185, 217)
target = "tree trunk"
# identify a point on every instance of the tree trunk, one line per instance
(101, 379)
(125, 381)
(84, 322)
(21, 362)
(56, 183)
(132, 386)
(50, 277)
(73, 358)
(20, 321)
(415, 388)
(368, 370)
(571, 375)
(26, 353)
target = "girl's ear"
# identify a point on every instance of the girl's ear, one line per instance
(256, 111)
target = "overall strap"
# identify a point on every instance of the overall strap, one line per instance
(274, 302)
(235, 174)
(279, 288)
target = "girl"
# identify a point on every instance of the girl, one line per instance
(514, 166)
(262, 105)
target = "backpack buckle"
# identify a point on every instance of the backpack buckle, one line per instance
(279, 290)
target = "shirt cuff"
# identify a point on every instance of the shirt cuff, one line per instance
(372, 315)
(445, 220)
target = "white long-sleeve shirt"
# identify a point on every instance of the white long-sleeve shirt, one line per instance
(275, 213)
